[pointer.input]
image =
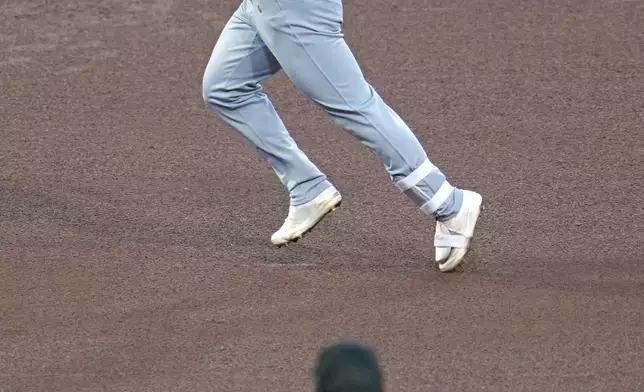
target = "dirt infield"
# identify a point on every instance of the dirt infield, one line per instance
(129, 260)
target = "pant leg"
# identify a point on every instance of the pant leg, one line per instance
(306, 38)
(231, 87)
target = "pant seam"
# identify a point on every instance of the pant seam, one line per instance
(360, 112)
(260, 142)
(232, 72)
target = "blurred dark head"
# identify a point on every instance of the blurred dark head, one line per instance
(348, 367)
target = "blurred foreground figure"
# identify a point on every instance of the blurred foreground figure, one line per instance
(348, 367)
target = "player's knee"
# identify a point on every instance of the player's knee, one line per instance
(221, 92)
(348, 366)
(211, 95)
(214, 90)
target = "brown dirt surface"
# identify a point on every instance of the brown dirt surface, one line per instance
(135, 225)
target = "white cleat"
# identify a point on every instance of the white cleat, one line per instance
(301, 219)
(452, 237)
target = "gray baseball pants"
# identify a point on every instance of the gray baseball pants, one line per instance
(304, 39)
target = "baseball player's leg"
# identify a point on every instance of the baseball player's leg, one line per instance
(231, 87)
(306, 38)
